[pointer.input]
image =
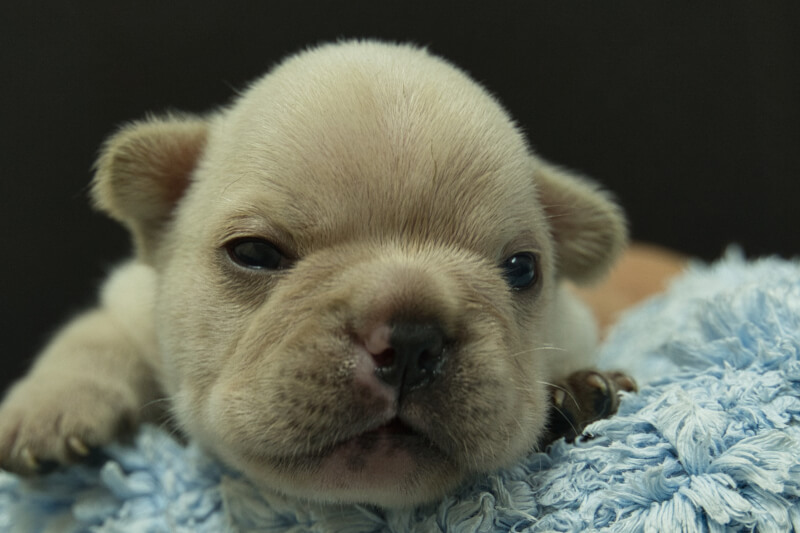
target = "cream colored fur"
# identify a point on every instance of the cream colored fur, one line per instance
(394, 186)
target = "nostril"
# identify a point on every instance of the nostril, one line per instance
(384, 358)
(377, 343)
(429, 359)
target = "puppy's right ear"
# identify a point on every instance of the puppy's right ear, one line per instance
(143, 171)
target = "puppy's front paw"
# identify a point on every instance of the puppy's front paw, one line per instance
(46, 422)
(582, 398)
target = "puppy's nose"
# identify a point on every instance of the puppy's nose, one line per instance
(411, 358)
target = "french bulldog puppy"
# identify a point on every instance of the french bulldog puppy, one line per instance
(348, 285)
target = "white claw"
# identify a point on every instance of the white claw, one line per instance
(597, 382)
(29, 459)
(76, 445)
(558, 397)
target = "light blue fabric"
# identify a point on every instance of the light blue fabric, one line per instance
(711, 443)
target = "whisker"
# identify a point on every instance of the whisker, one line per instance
(538, 349)
(549, 347)
(566, 391)
(157, 401)
(571, 425)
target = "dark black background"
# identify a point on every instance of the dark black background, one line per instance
(689, 111)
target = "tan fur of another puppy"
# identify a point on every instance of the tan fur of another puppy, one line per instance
(395, 187)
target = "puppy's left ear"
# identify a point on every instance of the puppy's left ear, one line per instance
(143, 171)
(588, 227)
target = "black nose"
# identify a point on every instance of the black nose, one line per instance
(414, 356)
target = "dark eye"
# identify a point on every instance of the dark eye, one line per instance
(256, 254)
(520, 270)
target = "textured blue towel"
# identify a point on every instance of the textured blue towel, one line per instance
(711, 443)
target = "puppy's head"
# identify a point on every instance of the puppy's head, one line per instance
(357, 261)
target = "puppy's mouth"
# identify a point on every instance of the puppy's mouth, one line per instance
(378, 457)
(395, 436)
(393, 428)
(390, 456)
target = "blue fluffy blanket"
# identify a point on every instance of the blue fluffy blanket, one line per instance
(710, 443)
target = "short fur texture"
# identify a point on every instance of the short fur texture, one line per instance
(395, 189)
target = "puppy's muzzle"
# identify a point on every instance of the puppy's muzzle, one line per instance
(411, 357)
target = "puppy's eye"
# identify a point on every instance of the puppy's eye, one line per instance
(520, 270)
(256, 254)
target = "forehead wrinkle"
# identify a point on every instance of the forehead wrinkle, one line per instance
(455, 201)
